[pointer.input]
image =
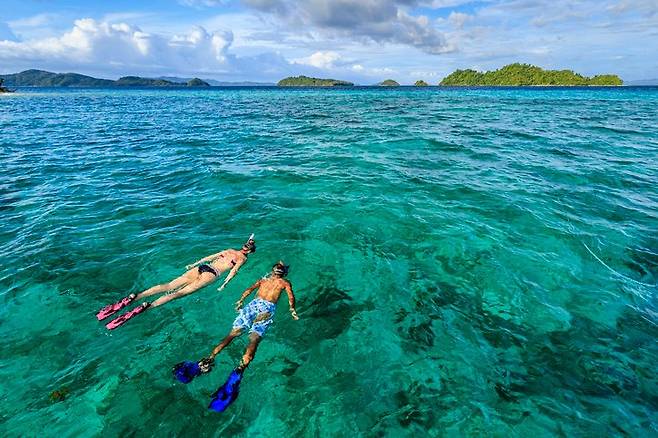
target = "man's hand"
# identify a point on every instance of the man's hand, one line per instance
(222, 287)
(238, 305)
(293, 312)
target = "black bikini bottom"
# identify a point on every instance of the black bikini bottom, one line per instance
(206, 268)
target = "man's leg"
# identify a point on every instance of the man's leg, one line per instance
(250, 352)
(227, 340)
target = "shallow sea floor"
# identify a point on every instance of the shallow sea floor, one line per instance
(466, 262)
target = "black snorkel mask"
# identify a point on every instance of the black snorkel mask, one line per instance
(280, 269)
(250, 245)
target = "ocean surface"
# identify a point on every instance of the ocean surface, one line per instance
(467, 262)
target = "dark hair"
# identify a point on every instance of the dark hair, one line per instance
(250, 246)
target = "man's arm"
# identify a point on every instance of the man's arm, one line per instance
(205, 259)
(291, 301)
(246, 293)
(231, 274)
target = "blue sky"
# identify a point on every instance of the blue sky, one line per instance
(365, 41)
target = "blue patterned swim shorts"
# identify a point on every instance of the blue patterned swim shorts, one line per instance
(250, 312)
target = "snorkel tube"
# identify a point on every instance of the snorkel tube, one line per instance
(250, 244)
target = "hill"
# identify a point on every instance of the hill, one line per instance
(216, 83)
(389, 83)
(305, 81)
(196, 82)
(526, 74)
(136, 81)
(41, 78)
(421, 83)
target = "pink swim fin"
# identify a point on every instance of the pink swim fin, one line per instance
(111, 309)
(120, 320)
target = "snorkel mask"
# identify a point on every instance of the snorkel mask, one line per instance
(250, 246)
(280, 269)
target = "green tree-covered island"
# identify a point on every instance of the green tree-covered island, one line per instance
(526, 74)
(41, 78)
(305, 81)
(389, 83)
(421, 83)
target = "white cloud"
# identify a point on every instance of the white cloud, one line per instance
(458, 19)
(123, 46)
(381, 21)
(324, 60)
(33, 21)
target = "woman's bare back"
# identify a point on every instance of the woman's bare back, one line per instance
(227, 259)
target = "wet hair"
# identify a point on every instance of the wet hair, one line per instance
(250, 246)
(280, 269)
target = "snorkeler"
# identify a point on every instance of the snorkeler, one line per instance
(208, 270)
(256, 317)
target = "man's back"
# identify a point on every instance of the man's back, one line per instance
(270, 288)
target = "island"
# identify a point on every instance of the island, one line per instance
(196, 82)
(3, 89)
(41, 78)
(526, 75)
(421, 83)
(305, 81)
(389, 83)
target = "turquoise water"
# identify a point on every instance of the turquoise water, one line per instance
(438, 242)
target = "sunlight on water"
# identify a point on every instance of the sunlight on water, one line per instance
(466, 262)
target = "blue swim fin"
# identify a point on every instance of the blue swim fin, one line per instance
(186, 371)
(228, 392)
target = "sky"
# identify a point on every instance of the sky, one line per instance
(363, 41)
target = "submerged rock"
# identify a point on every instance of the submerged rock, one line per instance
(59, 395)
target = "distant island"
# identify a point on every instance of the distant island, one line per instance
(389, 83)
(643, 83)
(526, 74)
(421, 83)
(305, 81)
(3, 89)
(41, 78)
(216, 83)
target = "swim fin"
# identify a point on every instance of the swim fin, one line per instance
(185, 372)
(113, 308)
(228, 392)
(120, 320)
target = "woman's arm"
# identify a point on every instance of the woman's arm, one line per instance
(231, 274)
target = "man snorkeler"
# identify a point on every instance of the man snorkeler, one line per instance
(256, 317)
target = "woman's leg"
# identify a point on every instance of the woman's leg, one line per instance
(201, 281)
(181, 281)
